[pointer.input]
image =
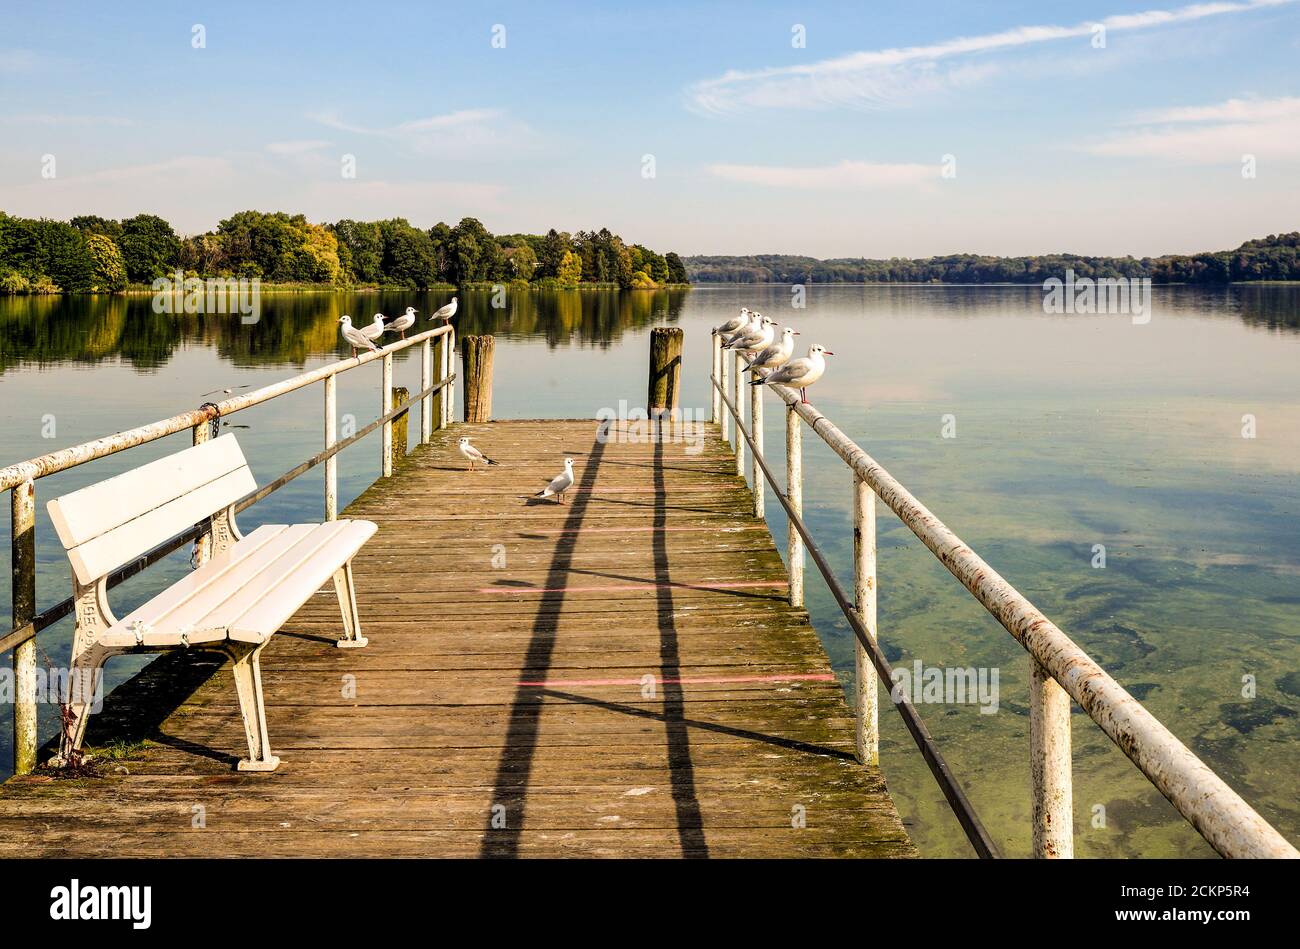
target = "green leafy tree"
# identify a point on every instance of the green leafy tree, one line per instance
(570, 270)
(523, 262)
(108, 267)
(408, 255)
(149, 246)
(360, 250)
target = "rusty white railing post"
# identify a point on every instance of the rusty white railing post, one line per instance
(202, 543)
(1049, 765)
(793, 494)
(450, 402)
(724, 377)
(22, 514)
(426, 380)
(739, 385)
(716, 417)
(386, 406)
(864, 593)
(331, 436)
(756, 424)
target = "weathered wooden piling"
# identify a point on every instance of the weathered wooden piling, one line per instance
(400, 422)
(665, 371)
(438, 401)
(476, 355)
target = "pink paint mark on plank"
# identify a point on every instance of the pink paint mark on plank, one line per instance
(640, 530)
(739, 585)
(690, 680)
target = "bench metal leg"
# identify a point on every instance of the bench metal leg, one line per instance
(347, 591)
(85, 680)
(248, 683)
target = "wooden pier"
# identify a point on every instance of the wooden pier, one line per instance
(620, 675)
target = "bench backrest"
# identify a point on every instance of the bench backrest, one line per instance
(112, 523)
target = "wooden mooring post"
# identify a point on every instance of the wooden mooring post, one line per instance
(476, 356)
(665, 392)
(400, 423)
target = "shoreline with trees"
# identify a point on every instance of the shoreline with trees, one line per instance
(1274, 258)
(287, 253)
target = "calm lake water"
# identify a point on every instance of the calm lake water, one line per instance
(1071, 431)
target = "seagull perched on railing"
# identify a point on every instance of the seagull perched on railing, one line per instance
(753, 324)
(559, 484)
(473, 454)
(733, 324)
(445, 313)
(778, 354)
(401, 324)
(757, 340)
(353, 336)
(375, 329)
(799, 373)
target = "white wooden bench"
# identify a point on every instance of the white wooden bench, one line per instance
(233, 604)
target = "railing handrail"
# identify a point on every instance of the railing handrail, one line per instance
(952, 790)
(1205, 800)
(53, 462)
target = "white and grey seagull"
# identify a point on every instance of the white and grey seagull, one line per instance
(799, 373)
(353, 336)
(375, 329)
(445, 313)
(733, 324)
(778, 354)
(473, 454)
(753, 324)
(756, 341)
(559, 484)
(401, 324)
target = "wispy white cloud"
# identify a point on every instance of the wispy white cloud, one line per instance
(1212, 134)
(460, 134)
(844, 176)
(297, 147)
(881, 77)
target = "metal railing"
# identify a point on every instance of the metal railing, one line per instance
(1060, 670)
(436, 397)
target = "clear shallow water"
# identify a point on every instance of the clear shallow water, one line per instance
(1071, 431)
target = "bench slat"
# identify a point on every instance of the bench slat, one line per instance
(106, 552)
(87, 513)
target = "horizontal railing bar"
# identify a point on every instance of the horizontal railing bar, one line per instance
(58, 611)
(952, 791)
(66, 458)
(1215, 810)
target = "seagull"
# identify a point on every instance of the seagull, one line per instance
(473, 454)
(559, 484)
(223, 391)
(353, 336)
(375, 329)
(402, 323)
(445, 313)
(733, 324)
(799, 373)
(778, 354)
(757, 340)
(753, 324)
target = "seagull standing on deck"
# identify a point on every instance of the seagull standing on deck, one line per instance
(778, 354)
(473, 454)
(353, 336)
(799, 373)
(445, 313)
(559, 484)
(402, 323)
(733, 324)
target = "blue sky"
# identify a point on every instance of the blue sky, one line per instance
(832, 148)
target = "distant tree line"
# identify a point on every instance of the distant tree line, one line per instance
(1276, 257)
(91, 253)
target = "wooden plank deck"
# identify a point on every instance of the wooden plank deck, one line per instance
(510, 644)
